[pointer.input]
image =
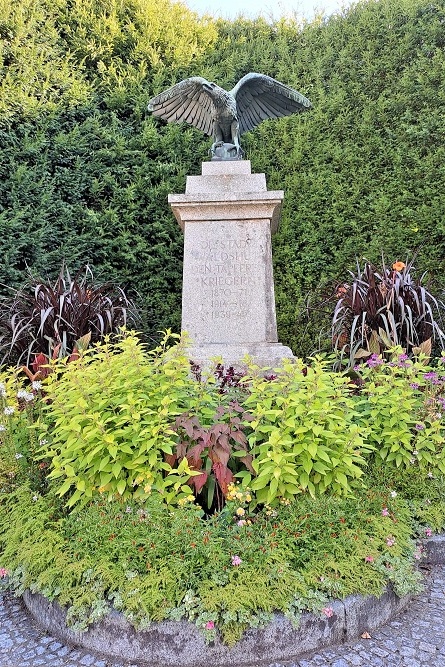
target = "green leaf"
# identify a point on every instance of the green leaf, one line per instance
(116, 469)
(342, 479)
(65, 487)
(120, 486)
(304, 480)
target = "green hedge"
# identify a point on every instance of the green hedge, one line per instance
(85, 171)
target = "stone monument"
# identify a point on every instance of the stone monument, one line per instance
(228, 303)
(227, 216)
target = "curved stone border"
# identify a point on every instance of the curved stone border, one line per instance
(180, 644)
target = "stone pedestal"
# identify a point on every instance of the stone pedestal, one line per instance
(228, 302)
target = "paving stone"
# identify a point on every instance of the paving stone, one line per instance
(6, 644)
(54, 646)
(429, 648)
(87, 660)
(46, 640)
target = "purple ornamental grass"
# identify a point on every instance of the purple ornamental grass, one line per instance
(42, 317)
(384, 307)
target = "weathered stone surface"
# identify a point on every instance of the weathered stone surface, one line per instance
(228, 301)
(228, 206)
(269, 355)
(231, 168)
(228, 292)
(364, 614)
(435, 550)
(171, 643)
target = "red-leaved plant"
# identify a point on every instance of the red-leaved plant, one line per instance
(215, 451)
(41, 366)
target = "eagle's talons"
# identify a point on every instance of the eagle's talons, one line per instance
(223, 151)
(239, 152)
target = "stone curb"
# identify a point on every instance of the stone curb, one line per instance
(180, 643)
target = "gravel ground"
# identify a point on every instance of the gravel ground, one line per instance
(415, 638)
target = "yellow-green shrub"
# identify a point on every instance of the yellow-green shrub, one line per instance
(108, 416)
(305, 435)
(404, 409)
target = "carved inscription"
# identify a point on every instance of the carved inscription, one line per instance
(225, 276)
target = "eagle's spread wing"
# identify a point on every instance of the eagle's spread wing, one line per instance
(259, 97)
(188, 102)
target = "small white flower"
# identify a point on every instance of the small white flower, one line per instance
(19, 456)
(43, 442)
(415, 452)
(2, 393)
(26, 395)
(9, 410)
(36, 385)
(393, 494)
(430, 475)
(35, 498)
(2, 427)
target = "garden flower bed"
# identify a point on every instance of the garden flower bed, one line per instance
(223, 506)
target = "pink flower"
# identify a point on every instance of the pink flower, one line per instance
(241, 522)
(327, 611)
(390, 541)
(428, 532)
(369, 559)
(3, 572)
(385, 511)
(236, 560)
(210, 625)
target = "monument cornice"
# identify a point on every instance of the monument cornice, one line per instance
(237, 206)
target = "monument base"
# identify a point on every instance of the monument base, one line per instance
(265, 355)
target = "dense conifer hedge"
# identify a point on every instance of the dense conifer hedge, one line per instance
(85, 171)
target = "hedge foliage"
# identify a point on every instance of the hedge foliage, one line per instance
(85, 171)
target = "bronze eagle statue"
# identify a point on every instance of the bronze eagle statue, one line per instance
(227, 115)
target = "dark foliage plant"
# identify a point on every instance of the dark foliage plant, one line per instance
(55, 319)
(385, 307)
(213, 451)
